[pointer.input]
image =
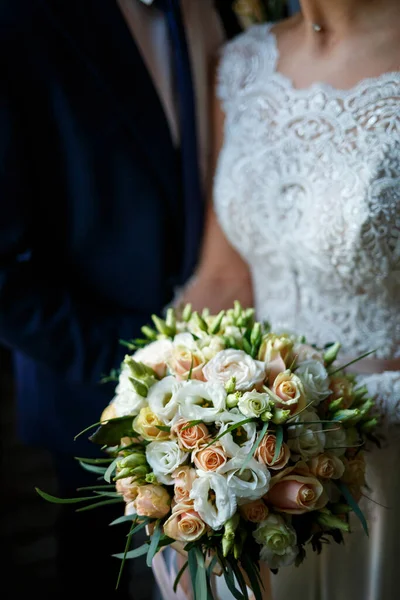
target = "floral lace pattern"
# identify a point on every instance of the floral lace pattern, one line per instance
(308, 190)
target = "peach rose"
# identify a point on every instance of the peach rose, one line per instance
(289, 392)
(296, 494)
(183, 479)
(341, 387)
(276, 352)
(155, 355)
(152, 501)
(326, 466)
(185, 524)
(209, 459)
(266, 451)
(147, 425)
(255, 512)
(186, 356)
(190, 438)
(128, 488)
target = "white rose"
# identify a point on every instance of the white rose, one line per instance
(252, 484)
(240, 441)
(155, 356)
(315, 380)
(213, 499)
(253, 404)
(306, 438)
(164, 458)
(126, 401)
(249, 373)
(200, 400)
(278, 540)
(304, 352)
(336, 439)
(161, 398)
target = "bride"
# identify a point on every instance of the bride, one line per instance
(307, 227)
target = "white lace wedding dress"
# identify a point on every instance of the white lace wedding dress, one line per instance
(308, 190)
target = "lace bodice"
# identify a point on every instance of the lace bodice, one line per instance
(308, 190)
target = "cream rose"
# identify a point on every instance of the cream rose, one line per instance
(209, 459)
(147, 424)
(278, 540)
(152, 501)
(190, 437)
(326, 466)
(183, 479)
(128, 488)
(305, 352)
(254, 404)
(306, 438)
(266, 451)
(288, 392)
(164, 458)
(248, 373)
(126, 401)
(240, 441)
(336, 439)
(254, 512)
(186, 356)
(185, 524)
(251, 484)
(276, 352)
(201, 401)
(296, 494)
(155, 356)
(214, 500)
(315, 380)
(162, 398)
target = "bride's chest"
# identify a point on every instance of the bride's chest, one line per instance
(312, 174)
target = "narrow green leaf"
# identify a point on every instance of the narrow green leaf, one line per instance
(278, 443)
(250, 570)
(155, 538)
(191, 369)
(110, 432)
(230, 429)
(105, 486)
(101, 503)
(179, 576)
(201, 576)
(127, 545)
(93, 468)
(133, 553)
(87, 429)
(230, 582)
(211, 566)
(122, 519)
(94, 461)
(352, 362)
(254, 447)
(356, 509)
(56, 500)
(192, 560)
(192, 424)
(110, 469)
(141, 525)
(164, 428)
(108, 494)
(240, 579)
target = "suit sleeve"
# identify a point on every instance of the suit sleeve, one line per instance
(39, 316)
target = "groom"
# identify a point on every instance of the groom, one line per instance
(103, 166)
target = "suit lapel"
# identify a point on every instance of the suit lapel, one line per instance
(97, 30)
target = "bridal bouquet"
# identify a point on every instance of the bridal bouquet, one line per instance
(231, 443)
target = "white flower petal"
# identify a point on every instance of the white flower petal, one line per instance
(215, 513)
(200, 400)
(161, 398)
(126, 401)
(252, 484)
(164, 458)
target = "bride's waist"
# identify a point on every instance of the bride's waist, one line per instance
(370, 366)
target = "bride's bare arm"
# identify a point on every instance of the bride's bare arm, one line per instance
(222, 276)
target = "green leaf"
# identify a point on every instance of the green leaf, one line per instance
(191, 369)
(239, 578)
(211, 566)
(230, 582)
(201, 576)
(87, 429)
(192, 561)
(351, 362)
(230, 429)
(108, 494)
(110, 432)
(101, 503)
(356, 509)
(250, 570)
(127, 545)
(110, 469)
(56, 500)
(164, 428)
(142, 525)
(122, 519)
(192, 424)
(254, 447)
(94, 461)
(93, 468)
(133, 553)
(278, 444)
(105, 486)
(179, 576)
(155, 538)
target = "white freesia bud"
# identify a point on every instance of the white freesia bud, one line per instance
(126, 400)
(252, 484)
(213, 499)
(200, 400)
(306, 438)
(164, 458)
(254, 404)
(315, 380)
(278, 540)
(240, 441)
(249, 373)
(161, 398)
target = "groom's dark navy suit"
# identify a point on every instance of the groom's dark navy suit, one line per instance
(95, 216)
